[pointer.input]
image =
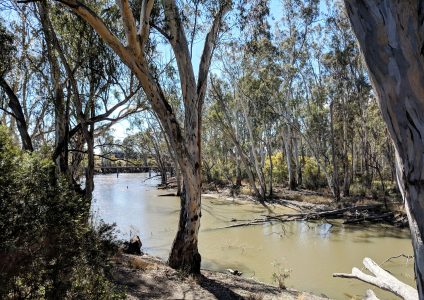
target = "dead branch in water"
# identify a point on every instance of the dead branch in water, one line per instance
(351, 215)
(408, 257)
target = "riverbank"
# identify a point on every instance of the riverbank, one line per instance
(310, 251)
(310, 205)
(148, 277)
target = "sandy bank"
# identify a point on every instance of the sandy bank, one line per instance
(148, 277)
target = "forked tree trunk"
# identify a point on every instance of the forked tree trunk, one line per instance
(391, 37)
(184, 254)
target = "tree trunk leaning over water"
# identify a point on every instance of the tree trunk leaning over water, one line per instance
(187, 144)
(391, 38)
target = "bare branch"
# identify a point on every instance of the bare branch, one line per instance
(208, 48)
(98, 25)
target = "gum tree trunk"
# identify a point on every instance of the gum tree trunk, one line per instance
(391, 37)
(184, 254)
(185, 142)
(335, 179)
(288, 150)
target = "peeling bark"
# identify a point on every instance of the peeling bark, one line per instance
(391, 37)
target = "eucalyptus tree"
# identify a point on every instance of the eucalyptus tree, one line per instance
(295, 32)
(227, 115)
(391, 39)
(304, 108)
(167, 19)
(258, 93)
(86, 90)
(8, 52)
(349, 90)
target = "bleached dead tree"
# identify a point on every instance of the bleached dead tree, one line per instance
(381, 279)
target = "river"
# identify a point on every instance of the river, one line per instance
(311, 251)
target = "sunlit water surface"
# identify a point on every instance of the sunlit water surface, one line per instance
(312, 251)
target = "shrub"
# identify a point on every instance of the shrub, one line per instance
(312, 178)
(48, 250)
(280, 275)
(279, 170)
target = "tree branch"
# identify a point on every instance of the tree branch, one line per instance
(130, 27)
(381, 279)
(99, 26)
(18, 114)
(146, 10)
(208, 49)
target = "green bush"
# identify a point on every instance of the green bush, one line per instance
(279, 167)
(312, 177)
(48, 250)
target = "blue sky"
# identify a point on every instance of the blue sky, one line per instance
(121, 127)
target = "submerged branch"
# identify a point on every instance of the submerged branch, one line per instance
(351, 215)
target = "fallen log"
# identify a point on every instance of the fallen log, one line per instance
(376, 217)
(352, 215)
(381, 279)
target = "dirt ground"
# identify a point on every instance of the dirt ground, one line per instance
(148, 277)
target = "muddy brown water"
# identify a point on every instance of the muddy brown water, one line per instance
(310, 252)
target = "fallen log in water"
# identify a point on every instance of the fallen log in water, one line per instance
(351, 215)
(370, 218)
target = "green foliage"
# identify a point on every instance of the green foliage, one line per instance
(312, 176)
(48, 250)
(280, 172)
(7, 49)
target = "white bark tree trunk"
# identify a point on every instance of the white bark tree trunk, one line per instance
(187, 144)
(254, 153)
(288, 150)
(391, 37)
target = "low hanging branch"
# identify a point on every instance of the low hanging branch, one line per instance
(381, 279)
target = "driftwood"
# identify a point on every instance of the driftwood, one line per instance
(234, 272)
(168, 195)
(370, 295)
(381, 279)
(297, 205)
(351, 215)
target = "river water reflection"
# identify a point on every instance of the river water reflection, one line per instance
(312, 251)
